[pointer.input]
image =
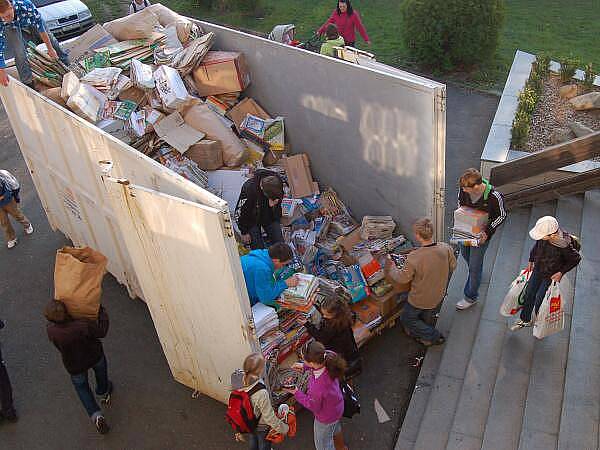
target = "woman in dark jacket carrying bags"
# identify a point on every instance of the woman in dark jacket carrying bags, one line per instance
(553, 255)
(335, 333)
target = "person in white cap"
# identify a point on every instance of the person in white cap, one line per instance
(552, 256)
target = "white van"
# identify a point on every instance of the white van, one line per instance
(65, 18)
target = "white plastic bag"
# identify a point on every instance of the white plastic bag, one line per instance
(550, 318)
(513, 301)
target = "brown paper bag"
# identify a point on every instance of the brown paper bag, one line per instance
(134, 26)
(78, 275)
(207, 154)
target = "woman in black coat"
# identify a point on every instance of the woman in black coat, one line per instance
(335, 333)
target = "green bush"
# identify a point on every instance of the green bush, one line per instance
(568, 66)
(542, 65)
(535, 83)
(590, 75)
(520, 130)
(528, 99)
(454, 34)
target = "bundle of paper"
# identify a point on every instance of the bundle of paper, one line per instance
(469, 221)
(377, 227)
(342, 224)
(148, 144)
(104, 79)
(299, 297)
(122, 84)
(379, 246)
(331, 205)
(45, 69)
(185, 167)
(371, 268)
(184, 60)
(141, 74)
(121, 53)
(265, 319)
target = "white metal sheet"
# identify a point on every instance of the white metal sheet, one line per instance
(189, 267)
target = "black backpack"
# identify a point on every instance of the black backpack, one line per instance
(351, 402)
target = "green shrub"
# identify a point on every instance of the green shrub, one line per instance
(451, 34)
(542, 65)
(535, 83)
(568, 66)
(590, 75)
(528, 99)
(520, 130)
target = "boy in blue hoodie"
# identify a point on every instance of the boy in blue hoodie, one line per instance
(259, 268)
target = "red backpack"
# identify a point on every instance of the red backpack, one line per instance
(240, 413)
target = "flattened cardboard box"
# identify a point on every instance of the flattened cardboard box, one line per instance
(221, 73)
(299, 176)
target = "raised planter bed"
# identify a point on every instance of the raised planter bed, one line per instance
(498, 145)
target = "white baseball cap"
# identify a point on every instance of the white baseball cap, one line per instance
(543, 227)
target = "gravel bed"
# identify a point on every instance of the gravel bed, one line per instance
(552, 112)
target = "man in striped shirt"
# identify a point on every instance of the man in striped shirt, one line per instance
(476, 192)
(17, 17)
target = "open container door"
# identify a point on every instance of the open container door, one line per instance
(185, 260)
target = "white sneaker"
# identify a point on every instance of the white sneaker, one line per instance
(464, 304)
(520, 324)
(11, 244)
(29, 229)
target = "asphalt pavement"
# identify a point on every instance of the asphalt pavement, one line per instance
(149, 409)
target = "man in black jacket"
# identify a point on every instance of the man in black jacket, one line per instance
(6, 401)
(259, 207)
(78, 341)
(476, 192)
(552, 256)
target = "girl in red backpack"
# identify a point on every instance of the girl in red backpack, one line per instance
(254, 366)
(324, 395)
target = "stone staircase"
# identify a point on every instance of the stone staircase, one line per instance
(492, 389)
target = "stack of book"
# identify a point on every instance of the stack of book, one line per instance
(265, 319)
(377, 227)
(300, 298)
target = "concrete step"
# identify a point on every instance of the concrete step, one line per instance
(581, 400)
(541, 420)
(472, 410)
(505, 415)
(460, 329)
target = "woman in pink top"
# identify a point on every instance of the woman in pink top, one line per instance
(346, 20)
(323, 396)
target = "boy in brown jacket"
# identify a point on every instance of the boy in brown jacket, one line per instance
(428, 270)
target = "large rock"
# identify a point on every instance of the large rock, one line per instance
(587, 101)
(580, 129)
(560, 135)
(569, 91)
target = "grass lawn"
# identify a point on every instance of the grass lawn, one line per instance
(557, 27)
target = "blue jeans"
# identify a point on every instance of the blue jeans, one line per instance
(324, 434)
(535, 291)
(273, 234)
(82, 386)
(412, 320)
(14, 38)
(258, 441)
(474, 258)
